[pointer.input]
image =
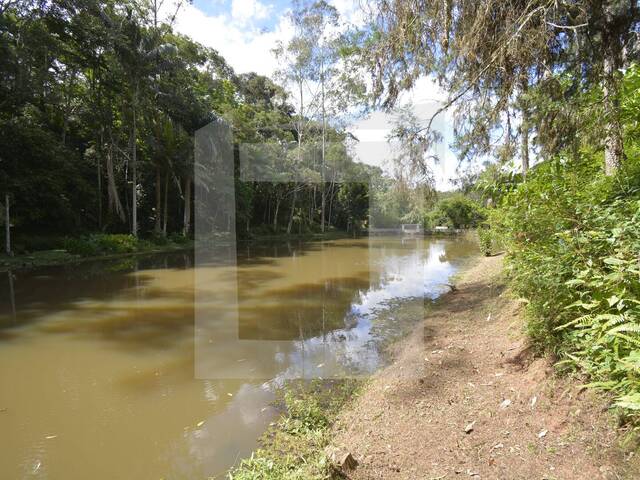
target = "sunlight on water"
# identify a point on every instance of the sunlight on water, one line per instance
(105, 374)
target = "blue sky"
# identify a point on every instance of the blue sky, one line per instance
(223, 7)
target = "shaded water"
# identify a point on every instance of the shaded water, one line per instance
(107, 371)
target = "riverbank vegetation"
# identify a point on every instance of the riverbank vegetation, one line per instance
(550, 93)
(100, 102)
(573, 239)
(294, 447)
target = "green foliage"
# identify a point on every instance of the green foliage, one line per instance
(293, 449)
(485, 238)
(354, 202)
(573, 239)
(178, 238)
(85, 85)
(102, 244)
(457, 211)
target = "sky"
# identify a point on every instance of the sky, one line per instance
(245, 32)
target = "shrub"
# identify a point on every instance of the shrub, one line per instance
(457, 212)
(101, 244)
(159, 240)
(37, 243)
(573, 239)
(178, 238)
(485, 240)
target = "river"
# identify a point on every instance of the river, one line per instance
(149, 368)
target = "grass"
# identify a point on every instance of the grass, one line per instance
(293, 448)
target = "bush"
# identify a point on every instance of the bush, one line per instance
(159, 240)
(101, 244)
(573, 238)
(456, 212)
(485, 240)
(178, 238)
(37, 243)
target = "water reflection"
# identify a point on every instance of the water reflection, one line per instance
(101, 360)
(314, 306)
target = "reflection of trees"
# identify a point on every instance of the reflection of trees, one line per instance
(302, 310)
(29, 295)
(457, 248)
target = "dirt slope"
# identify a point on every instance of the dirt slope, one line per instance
(465, 399)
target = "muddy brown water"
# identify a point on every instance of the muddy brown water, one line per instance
(108, 371)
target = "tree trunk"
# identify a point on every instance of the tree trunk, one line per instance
(158, 223)
(134, 173)
(7, 226)
(524, 127)
(186, 229)
(613, 144)
(293, 209)
(331, 195)
(115, 204)
(165, 210)
(99, 151)
(275, 216)
(12, 294)
(324, 140)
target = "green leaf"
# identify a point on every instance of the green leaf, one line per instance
(630, 401)
(613, 261)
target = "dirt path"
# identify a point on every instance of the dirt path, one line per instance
(464, 399)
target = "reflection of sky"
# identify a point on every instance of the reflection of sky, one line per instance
(409, 276)
(352, 350)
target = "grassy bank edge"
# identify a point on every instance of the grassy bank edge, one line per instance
(51, 258)
(59, 257)
(294, 447)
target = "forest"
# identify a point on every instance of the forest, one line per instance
(100, 103)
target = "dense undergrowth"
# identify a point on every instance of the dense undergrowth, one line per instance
(572, 236)
(293, 448)
(106, 244)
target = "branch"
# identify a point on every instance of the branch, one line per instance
(481, 72)
(567, 27)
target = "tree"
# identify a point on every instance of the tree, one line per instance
(489, 53)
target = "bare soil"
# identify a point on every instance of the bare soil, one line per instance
(466, 398)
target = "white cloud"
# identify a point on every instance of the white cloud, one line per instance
(234, 34)
(245, 11)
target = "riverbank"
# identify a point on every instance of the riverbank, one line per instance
(58, 257)
(466, 398)
(293, 447)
